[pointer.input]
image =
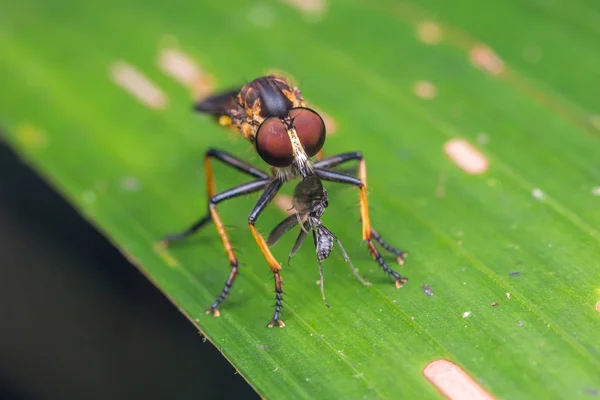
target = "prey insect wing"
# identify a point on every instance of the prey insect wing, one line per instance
(281, 229)
(309, 201)
(299, 240)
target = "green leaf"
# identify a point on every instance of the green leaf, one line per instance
(515, 79)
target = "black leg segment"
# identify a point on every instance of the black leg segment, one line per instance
(240, 190)
(236, 163)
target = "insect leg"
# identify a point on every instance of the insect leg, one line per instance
(212, 215)
(268, 195)
(335, 176)
(245, 188)
(226, 159)
(346, 257)
(332, 161)
(399, 253)
(336, 160)
(240, 190)
(322, 283)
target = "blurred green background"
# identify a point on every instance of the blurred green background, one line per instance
(97, 97)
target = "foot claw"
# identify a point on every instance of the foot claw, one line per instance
(276, 321)
(214, 312)
(401, 258)
(400, 281)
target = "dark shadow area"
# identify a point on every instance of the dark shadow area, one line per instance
(77, 321)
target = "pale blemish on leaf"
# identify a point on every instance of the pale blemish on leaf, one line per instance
(538, 194)
(181, 67)
(453, 382)
(429, 32)
(466, 156)
(138, 85)
(425, 90)
(483, 57)
(313, 9)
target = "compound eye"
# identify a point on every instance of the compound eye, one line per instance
(310, 129)
(273, 143)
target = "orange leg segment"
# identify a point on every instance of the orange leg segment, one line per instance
(268, 195)
(275, 267)
(223, 234)
(364, 201)
(264, 248)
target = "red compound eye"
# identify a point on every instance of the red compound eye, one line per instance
(310, 129)
(273, 143)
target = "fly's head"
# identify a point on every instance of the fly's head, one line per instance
(285, 132)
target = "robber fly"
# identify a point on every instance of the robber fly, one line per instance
(271, 114)
(309, 203)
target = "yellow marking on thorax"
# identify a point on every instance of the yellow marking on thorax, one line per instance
(224, 120)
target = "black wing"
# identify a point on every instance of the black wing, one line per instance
(282, 228)
(218, 104)
(299, 240)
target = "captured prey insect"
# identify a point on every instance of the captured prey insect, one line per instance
(309, 202)
(272, 114)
